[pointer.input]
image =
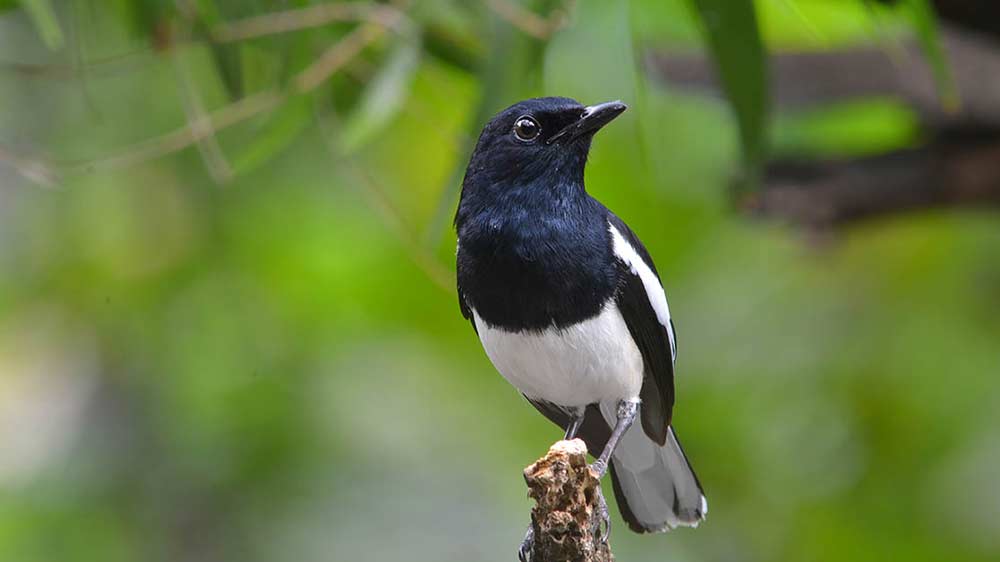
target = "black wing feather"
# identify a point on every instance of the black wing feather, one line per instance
(653, 340)
(466, 311)
(594, 431)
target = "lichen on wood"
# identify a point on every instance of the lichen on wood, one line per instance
(567, 517)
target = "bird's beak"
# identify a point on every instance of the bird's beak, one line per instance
(594, 117)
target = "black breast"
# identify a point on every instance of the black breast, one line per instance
(530, 271)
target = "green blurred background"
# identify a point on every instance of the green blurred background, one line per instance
(228, 327)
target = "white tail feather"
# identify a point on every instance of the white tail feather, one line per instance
(657, 483)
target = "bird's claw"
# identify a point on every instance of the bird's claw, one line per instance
(605, 519)
(527, 545)
(599, 467)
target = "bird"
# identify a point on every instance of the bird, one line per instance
(569, 307)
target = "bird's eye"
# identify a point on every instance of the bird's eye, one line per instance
(526, 128)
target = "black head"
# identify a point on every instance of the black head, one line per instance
(534, 248)
(537, 142)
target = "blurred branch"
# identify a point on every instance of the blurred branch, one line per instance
(97, 67)
(566, 520)
(951, 171)
(814, 78)
(32, 169)
(305, 18)
(78, 54)
(384, 15)
(333, 59)
(958, 164)
(982, 16)
(530, 22)
(198, 123)
(201, 127)
(184, 137)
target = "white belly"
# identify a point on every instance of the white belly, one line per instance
(593, 361)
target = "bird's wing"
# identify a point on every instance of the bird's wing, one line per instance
(466, 310)
(643, 304)
(594, 431)
(462, 305)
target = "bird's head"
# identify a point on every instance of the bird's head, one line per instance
(536, 143)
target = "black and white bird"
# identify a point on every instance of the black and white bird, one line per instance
(569, 307)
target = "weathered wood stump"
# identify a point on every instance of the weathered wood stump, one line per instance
(567, 517)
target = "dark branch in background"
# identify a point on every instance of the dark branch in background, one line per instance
(957, 165)
(975, 15)
(805, 80)
(948, 172)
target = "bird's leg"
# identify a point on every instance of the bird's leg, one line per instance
(575, 421)
(627, 411)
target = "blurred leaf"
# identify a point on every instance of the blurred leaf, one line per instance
(846, 129)
(227, 57)
(208, 12)
(450, 33)
(925, 25)
(145, 18)
(462, 52)
(810, 25)
(807, 22)
(734, 39)
(229, 62)
(260, 68)
(45, 20)
(275, 134)
(383, 97)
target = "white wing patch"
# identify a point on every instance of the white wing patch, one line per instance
(654, 291)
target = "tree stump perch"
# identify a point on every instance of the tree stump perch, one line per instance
(567, 517)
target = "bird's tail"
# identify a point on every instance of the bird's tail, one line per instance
(655, 486)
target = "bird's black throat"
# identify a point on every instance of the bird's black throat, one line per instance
(539, 256)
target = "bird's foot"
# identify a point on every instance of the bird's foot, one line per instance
(527, 545)
(604, 518)
(600, 467)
